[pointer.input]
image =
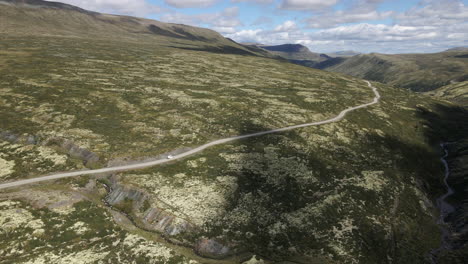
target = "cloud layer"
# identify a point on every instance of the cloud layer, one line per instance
(362, 25)
(190, 3)
(428, 27)
(307, 4)
(127, 7)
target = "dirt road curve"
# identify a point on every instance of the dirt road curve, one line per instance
(146, 164)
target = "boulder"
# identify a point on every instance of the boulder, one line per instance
(211, 248)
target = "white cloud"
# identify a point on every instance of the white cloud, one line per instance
(286, 26)
(225, 30)
(378, 32)
(432, 25)
(457, 36)
(356, 11)
(307, 4)
(190, 3)
(284, 33)
(393, 38)
(254, 1)
(342, 17)
(262, 20)
(249, 35)
(224, 21)
(364, 38)
(231, 11)
(124, 7)
(437, 13)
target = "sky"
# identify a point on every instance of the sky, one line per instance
(385, 26)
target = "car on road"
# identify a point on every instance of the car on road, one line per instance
(170, 157)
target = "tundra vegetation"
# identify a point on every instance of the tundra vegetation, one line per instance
(80, 232)
(357, 191)
(353, 191)
(456, 92)
(418, 72)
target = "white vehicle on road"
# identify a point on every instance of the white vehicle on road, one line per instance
(146, 164)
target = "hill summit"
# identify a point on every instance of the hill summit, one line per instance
(44, 18)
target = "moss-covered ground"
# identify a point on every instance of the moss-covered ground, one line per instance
(134, 101)
(357, 191)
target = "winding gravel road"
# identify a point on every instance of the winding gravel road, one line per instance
(146, 164)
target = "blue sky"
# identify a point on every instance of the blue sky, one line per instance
(398, 26)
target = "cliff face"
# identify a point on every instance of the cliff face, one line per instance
(297, 54)
(89, 158)
(145, 213)
(138, 204)
(63, 145)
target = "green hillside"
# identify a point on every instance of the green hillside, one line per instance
(456, 92)
(85, 92)
(42, 18)
(417, 72)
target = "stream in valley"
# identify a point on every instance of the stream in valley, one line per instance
(445, 209)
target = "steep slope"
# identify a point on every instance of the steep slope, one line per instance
(456, 92)
(458, 49)
(418, 72)
(357, 191)
(42, 18)
(296, 53)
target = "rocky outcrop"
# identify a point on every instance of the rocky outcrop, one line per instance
(152, 218)
(160, 220)
(120, 193)
(211, 248)
(14, 138)
(89, 158)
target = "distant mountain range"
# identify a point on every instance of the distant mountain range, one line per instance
(414, 71)
(295, 53)
(300, 54)
(417, 72)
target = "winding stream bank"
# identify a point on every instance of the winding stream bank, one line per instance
(445, 208)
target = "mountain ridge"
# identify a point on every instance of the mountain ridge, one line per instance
(417, 72)
(39, 18)
(295, 53)
(47, 4)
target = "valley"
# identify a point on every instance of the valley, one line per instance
(270, 161)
